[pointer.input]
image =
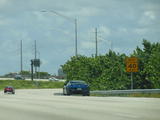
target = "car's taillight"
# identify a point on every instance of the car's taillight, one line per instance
(8, 88)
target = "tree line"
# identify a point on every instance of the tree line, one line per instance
(108, 72)
(27, 74)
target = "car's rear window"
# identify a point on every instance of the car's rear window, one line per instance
(77, 83)
(8, 87)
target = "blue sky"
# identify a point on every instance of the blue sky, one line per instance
(122, 24)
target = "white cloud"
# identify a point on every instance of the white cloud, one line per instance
(87, 45)
(84, 12)
(123, 30)
(148, 18)
(4, 21)
(141, 31)
(3, 2)
(150, 14)
(105, 30)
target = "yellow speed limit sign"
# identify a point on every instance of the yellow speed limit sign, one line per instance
(132, 64)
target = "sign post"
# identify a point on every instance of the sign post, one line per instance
(132, 66)
(131, 80)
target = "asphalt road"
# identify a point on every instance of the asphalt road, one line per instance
(50, 104)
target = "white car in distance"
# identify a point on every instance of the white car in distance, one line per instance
(53, 79)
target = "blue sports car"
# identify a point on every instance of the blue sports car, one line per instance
(76, 87)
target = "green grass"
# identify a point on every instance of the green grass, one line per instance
(148, 95)
(151, 95)
(23, 84)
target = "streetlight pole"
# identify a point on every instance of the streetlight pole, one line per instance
(39, 65)
(76, 52)
(75, 24)
(96, 42)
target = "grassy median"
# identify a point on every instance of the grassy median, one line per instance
(23, 84)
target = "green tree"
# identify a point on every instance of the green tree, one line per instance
(149, 63)
(106, 72)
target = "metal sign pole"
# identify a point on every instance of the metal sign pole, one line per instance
(32, 70)
(131, 80)
(131, 66)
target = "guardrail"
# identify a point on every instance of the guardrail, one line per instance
(117, 92)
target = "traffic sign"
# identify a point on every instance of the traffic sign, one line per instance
(36, 62)
(132, 64)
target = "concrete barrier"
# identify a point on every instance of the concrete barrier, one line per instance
(117, 92)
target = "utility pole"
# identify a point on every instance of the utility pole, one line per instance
(76, 52)
(35, 56)
(21, 56)
(35, 47)
(96, 42)
(32, 69)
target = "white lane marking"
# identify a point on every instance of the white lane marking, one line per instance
(127, 115)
